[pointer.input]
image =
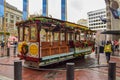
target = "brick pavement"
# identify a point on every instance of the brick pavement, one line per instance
(3, 53)
(6, 72)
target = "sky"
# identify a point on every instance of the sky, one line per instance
(76, 9)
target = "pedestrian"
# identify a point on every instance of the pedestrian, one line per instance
(2, 47)
(116, 45)
(96, 46)
(113, 47)
(8, 48)
(15, 46)
(108, 50)
(93, 46)
(101, 47)
(119, 46)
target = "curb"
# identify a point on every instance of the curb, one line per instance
(4, 78)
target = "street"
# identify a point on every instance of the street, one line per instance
(81, 72)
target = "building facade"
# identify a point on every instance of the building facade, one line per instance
(13, 15)
(82, 22)
(96, 21)
(113, 20)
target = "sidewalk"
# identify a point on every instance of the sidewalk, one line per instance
(7, 73)
(3, 53)
(4, 78)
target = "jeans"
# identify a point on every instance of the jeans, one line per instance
(108, 55)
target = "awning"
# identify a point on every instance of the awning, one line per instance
(112, 32)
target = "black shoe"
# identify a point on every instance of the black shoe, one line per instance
(107, 61)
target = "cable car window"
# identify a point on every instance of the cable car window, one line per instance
(50, 37)
(21, 33)
(26, 36)
(33, 33)
(68, 36)
(43, 35)
(56, 36)
(77, 37)
(62, 36)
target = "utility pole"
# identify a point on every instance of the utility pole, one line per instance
(4, 20)
(28, 10)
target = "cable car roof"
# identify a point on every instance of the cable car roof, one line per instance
(53, 21)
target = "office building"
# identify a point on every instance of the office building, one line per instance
(13, 15)
(94, 19)
(82, 22)
(97, 21)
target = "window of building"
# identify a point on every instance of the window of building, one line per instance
(6, 14)
(6, 20)
(18, 18)
(11, 16)
(11, 21)
(108, 14)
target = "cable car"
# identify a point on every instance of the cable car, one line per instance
(44, 41)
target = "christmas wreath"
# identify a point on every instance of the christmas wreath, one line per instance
(24, 48)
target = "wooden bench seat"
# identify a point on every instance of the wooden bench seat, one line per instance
(46, 49)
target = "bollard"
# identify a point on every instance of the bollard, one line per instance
(98, 55)
(17, 70)
(70, 71)
(112, 71)
(8, 52)
(98, 60)
(95, 50)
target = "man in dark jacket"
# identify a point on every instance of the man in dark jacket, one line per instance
(15, 46)
(2, 47)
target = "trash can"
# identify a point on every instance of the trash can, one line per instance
(101, 49)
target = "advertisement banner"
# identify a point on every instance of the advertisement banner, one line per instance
(25, 9)
(118, 10)
(103, 19)
(45, 5)
(107, 1)
(114, 13)
(63, 10)
(1, 8)
(114, 7)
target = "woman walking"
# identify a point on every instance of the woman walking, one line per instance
(108, 50)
